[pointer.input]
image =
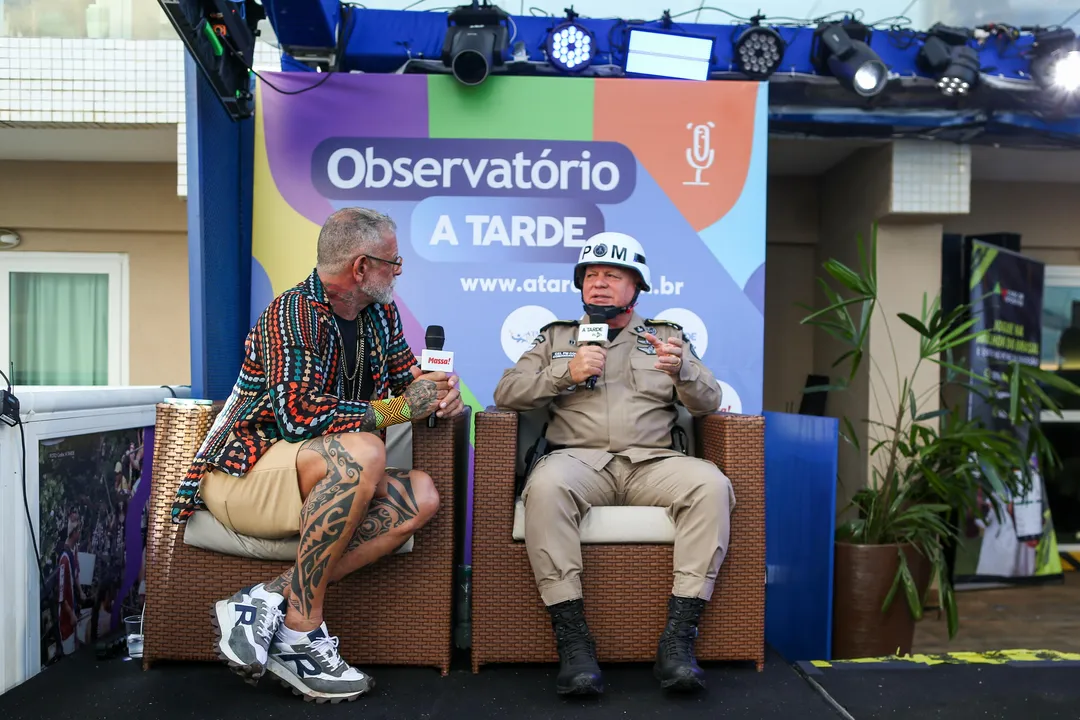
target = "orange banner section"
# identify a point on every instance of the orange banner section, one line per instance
(694, 139)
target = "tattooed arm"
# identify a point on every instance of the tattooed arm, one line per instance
(422, 396)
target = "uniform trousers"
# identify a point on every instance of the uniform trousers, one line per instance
(561, 488)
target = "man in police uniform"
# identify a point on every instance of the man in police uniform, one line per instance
(612, 444)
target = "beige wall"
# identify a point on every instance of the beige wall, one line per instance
(118, 208)
(1047, 216)
(792, 233)
(909, 269)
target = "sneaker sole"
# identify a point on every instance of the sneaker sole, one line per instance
(249, 673)
(297, 687)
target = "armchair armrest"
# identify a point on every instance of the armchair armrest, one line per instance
(493, 476)
(736, 445)
(440, 452)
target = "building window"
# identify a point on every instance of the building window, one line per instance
(66, 318)
(1061, 318)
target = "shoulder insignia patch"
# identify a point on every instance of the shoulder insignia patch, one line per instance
(538, 339)
(569, 323)
(677, 326)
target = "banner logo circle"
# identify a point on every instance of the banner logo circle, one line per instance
(692, 325)
(521, 327)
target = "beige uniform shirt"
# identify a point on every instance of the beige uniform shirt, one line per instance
(630, 412)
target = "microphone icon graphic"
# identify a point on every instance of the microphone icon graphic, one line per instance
(700, 155)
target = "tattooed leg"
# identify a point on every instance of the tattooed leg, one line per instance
(340, 474)
(404, 502)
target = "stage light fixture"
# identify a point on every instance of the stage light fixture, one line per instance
(477, 40)
(946, 55)
(571, 47)
(842, 51)
(758, 52)
(1055, 60)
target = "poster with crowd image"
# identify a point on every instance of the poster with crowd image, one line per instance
(93, 500)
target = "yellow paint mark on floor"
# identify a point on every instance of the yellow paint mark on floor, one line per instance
(996, 657)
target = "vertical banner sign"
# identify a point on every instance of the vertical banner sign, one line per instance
(1007, 294)
(496, 188)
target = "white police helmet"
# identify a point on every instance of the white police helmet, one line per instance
(612, 248)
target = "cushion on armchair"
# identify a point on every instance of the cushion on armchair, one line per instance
(205, 531)
(615, 524)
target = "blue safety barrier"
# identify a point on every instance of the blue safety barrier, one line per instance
(800, 525)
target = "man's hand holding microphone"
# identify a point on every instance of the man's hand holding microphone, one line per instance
(434, 394)
(589, 361)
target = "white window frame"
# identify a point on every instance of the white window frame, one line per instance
(115, 265)
(1062, 276)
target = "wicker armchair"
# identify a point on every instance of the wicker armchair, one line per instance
(626, 586)
(183, 582)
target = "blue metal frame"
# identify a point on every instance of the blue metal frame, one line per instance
(220, 171)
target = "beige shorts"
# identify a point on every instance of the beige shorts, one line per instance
(264, 503)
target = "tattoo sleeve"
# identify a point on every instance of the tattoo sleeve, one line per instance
(323, 521)
(422, 396)
(398, 507)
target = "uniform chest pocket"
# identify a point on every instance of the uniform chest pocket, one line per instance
(648, 379)
(559, 368)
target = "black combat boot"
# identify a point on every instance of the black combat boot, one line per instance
(676, 668)
(578, 672)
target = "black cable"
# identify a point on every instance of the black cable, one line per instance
(33, 539)
(343, 38)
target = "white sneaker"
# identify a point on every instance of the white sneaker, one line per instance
(246, 624)
(312, 668)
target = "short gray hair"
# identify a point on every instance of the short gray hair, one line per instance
(350, 232)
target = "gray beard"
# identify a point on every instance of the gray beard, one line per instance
(382, 296)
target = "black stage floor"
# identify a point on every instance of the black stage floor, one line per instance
(965, 691)
(82, 687)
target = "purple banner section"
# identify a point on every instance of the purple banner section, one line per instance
(484, 230)
(392, 106)
(133, 537)
(366, 168)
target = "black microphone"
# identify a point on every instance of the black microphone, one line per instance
(595, 333)
(434, 339)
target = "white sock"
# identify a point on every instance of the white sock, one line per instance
(289, 636)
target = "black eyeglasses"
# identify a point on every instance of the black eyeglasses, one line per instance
(397, 261)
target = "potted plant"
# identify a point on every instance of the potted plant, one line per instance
(927, 467)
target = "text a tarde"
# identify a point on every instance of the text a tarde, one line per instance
(514, 231)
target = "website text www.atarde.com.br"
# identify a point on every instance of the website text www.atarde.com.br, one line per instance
(541, 284)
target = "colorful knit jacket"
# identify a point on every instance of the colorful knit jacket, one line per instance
(290, 384)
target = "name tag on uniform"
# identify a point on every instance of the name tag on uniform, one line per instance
(563, 354)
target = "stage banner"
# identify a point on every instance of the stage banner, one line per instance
(495, 189)
(1007, 294)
